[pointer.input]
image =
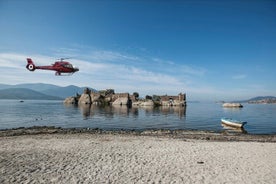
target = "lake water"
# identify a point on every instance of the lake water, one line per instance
(261, 118)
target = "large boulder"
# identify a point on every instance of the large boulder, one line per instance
(95, 97)
(173, 103)
(98, 99)
(121, 101)
(85, 99)
(148, 103)
(71, 100)
(143, 103)
(138, 103)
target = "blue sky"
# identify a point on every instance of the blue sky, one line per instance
(211, 50)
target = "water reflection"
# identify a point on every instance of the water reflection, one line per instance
(225, 109)
(230, 129)
(85, 110)
(88, 111)
(70, 105)
(179, 111)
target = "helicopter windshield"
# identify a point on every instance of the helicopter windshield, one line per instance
(68, 66)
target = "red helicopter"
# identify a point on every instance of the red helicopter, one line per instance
(61, 67)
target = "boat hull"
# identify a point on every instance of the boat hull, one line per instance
(232, 123)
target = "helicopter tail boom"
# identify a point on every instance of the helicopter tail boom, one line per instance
(30, 66)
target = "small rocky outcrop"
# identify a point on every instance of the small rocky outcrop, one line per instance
(232, 105)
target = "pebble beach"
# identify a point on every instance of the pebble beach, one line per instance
(128, 158)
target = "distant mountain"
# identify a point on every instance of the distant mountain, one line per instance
(33, 86)
(64, 92)
(23, 93)
(263, 99)
(48, 89)
(260, 100)
(4, 86)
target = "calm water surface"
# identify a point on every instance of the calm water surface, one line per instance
(261, 118)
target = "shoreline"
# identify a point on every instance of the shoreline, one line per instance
(176, 134)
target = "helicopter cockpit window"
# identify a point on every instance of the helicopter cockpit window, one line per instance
(68, 66)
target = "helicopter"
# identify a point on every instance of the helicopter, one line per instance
(61, 67)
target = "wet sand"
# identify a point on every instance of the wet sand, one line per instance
(52, 155)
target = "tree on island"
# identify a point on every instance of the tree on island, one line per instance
(136, 95)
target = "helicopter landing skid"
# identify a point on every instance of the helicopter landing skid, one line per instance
(63, 74)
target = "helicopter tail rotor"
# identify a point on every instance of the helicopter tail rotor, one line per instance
(30, 66)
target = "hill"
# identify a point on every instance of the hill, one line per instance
(26, 94)
(33, 86)
(64, 92)
(262, 99)
(48, 89)
(4, 86)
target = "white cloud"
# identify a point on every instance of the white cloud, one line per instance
(164, 62)
(103, 55)
(151, 77)
(8, 60)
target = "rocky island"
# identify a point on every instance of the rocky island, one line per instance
(232, 105)
(109, 97)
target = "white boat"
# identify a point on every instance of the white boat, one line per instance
(232, 122)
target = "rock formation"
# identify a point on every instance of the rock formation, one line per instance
(109, 97)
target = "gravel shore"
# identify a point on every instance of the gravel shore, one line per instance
(130, 158)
